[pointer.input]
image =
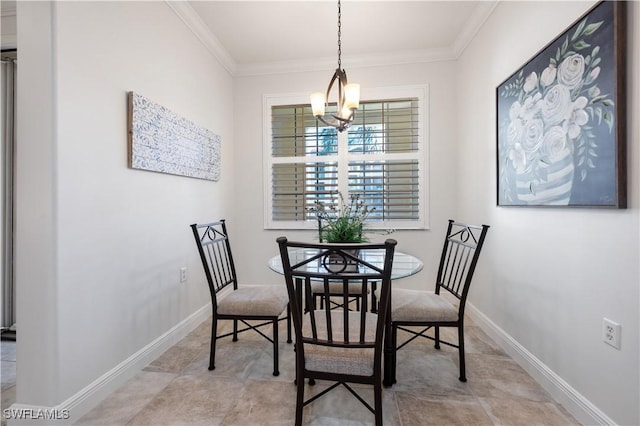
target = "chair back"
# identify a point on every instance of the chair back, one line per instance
(344, 264)
(460, 253)
(215, 252)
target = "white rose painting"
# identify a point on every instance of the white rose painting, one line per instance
(559, 137)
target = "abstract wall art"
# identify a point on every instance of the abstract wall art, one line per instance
(162, 141)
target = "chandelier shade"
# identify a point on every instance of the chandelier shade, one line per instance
(348, 99)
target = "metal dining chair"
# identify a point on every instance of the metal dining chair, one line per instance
(338, 345)
(430, 310)
(264, 303)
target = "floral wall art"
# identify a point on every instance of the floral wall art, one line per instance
(162, 141)
(561, 119)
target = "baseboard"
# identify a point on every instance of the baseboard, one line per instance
(83, 401)
(580, 407)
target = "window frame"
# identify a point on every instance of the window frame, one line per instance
(421, 92)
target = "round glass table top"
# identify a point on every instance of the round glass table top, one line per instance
(404, 265)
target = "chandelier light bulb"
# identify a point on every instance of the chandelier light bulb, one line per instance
(352, 96)
(317, 104)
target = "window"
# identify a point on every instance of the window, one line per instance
(382, 158)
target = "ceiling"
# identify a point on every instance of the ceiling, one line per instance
(273, 36)
(262, 36)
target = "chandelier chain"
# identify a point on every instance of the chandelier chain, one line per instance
(339, 34)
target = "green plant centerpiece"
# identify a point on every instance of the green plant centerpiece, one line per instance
(342, 222)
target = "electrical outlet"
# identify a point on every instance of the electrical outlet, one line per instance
(611, 333)
(183, 274)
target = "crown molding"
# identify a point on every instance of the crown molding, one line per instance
(476, 21)
(362, 61)
(195, 23)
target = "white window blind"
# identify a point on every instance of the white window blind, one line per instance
(381, 158)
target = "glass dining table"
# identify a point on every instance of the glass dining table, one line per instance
(404, 265)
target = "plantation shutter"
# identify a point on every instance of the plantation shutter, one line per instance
(379, 158)
(300, 176)
(389, 185)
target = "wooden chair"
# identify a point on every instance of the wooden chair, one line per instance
(247, 303)
(417, 308)
(338, 345)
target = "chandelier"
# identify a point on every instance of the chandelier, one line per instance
(348, 94)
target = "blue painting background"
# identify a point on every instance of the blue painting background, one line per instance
(599, 187)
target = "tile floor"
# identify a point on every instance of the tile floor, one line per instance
(8, 366)
(177, 389)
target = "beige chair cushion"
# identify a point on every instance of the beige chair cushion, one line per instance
(336, 288)
(357, 361)
(421, 306)
(254, 300)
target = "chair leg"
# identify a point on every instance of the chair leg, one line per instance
(235, 330)
(275, 348)
(437, 336)
(299, 399)
(374, 299)
(212, 354)
(289, 323)
(377, 396)
(463, 375)
(394, 354)
(389, 373)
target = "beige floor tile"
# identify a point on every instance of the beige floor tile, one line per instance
(340, 407)
(126, 402)
(429, 372)
(8, 398)
(8, 350)
(523, 412)
(263, 403)
(244, 360)
(178, 388)
(8, 371)
(191, 400)
(439, 410)
(500, 377)
(175, 359)
(477, 341)
(8, 374)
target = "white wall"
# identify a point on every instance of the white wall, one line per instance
(253, 245)
(108, 241)
(551, 275)
(99, 245)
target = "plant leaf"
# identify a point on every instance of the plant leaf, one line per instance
(608, 118)
(579, 30)
(599, 114)
(581, 44)
(591, 28)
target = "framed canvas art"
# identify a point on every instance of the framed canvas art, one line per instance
(561, 119)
